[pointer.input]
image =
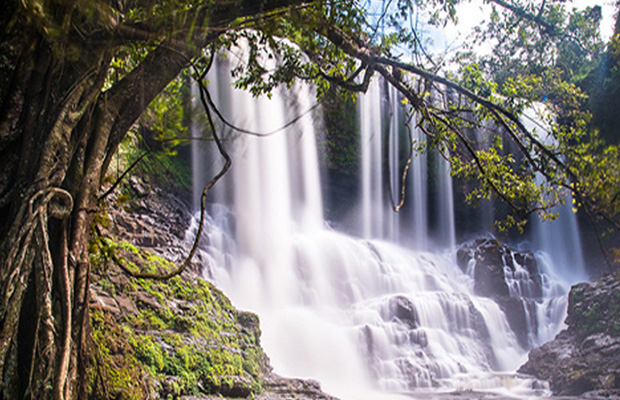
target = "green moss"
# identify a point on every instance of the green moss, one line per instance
(186, 332)
(576, 294)
(115, 370)
(103, 250)
(148, 351)
(108, 286)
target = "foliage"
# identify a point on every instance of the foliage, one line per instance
(165, 117)
(603, 87)
(551, 36)
(340, 148)
(159, 161)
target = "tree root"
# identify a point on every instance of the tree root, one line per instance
(30, 252)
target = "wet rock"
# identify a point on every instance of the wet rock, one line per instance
(403, 309)
(517, 313)
(512, 278)
(487, 256)
(230, 386)
(584, 357)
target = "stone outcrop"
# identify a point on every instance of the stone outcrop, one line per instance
(278, 388)
(152, 218)
(584, 357)
(512, 278)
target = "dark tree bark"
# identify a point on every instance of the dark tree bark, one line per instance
(58, 132)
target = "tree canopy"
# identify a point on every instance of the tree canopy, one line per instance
(76, 76)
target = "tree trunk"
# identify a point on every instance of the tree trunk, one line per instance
(58, 132)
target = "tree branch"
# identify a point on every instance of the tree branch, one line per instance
(403, 179)
(521, 13)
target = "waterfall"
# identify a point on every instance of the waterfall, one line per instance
(559, 240)
(379, 119)
(560, 244)
(419, 199)
(371, 135)
(359, 312)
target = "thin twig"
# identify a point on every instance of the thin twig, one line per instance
(120, 178)
(252, 133)
(397, 207)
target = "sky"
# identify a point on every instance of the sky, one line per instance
(470, 14)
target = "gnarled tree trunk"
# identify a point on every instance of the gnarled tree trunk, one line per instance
(58, 132)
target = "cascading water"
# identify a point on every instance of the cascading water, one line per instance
(418, 177)
(559, 240)
(379, 115)
(358, 314)
(371, 171)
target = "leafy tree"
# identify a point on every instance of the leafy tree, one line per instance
(76, 76)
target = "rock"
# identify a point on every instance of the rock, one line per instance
(595, 307)
(585, 357)
(230, 386)
(276, 387)
(403, 309)
(101, 300)
(146, 300)
(488, 259)
(512, 278)
(141, 189)
(126, 305)
(518, 312)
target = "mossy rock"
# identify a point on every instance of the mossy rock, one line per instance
(185, 339)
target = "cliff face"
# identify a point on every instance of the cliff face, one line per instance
(585, 356)
(176, 338)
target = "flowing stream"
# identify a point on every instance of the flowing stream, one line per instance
(385, 309)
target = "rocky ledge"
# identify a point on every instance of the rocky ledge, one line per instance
(176, 338)
(585, 357)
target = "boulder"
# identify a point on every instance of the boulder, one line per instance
(512, 278)
(403, 309)
(487, 256)
(586, 356)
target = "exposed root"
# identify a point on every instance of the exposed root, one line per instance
(30, 251)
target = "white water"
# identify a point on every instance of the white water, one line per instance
(359, 314)
(371, 135)
(559, 240)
